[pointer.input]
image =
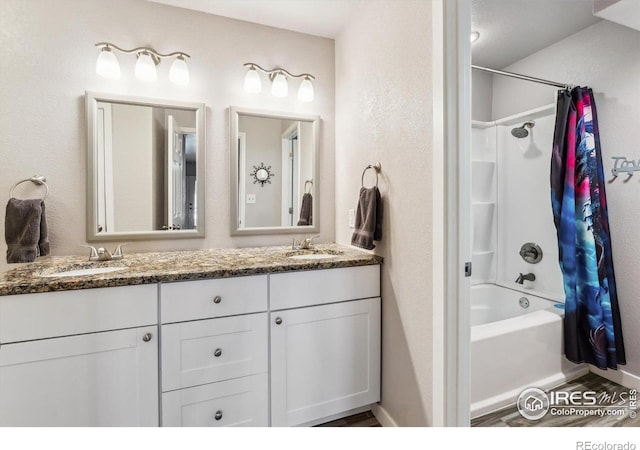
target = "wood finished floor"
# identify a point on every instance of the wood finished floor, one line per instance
(365, 419)
(510, 417)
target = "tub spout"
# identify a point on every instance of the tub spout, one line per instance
(528, 277)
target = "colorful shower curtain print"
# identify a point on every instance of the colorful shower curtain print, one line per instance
(592, 328)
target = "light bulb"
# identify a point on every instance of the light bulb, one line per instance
(179, 72)
(305, 91)
(279, 86)
(145, 67)
(474, 36)
(107, 64)
(252, 82)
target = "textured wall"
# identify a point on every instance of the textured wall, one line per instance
(481, 95)
(383, 113)
(606, 57)
(48, 61)
(264, 145)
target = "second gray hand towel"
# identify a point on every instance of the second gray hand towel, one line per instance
(368, 226)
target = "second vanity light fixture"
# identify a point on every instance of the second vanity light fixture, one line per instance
(279, 84)
(145, 69)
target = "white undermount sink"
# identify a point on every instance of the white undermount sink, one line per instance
(313, 256)
(81, 272)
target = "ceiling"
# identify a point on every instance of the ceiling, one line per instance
(512, 29)
(509, 29)
(324, 18)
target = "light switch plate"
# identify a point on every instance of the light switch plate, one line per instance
(251, 198)
(352, 218)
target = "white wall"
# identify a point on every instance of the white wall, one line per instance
(264, 145)
(132, 167)
(481, 95)
(383, 113)
(48, 61)
(605, 57)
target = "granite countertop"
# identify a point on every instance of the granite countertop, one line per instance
(149, 268)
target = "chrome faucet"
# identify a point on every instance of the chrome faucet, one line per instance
(528, 277)
(102, 254)
(304, 244)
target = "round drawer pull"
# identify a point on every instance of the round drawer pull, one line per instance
(218, 415)
(217, 299)
(147, 337)
(217, 353)
(278, 320)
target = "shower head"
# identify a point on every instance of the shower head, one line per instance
(522, 132)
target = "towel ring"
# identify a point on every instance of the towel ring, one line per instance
(375, 167)
(305, 186)
(37, 179)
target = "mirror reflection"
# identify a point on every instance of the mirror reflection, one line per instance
(145, 166)
(274, 158)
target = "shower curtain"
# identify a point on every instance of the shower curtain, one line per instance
(592, 328)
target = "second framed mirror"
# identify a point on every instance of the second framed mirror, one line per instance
(274, 172)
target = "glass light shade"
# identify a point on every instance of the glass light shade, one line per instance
(305, 91)
(279, 86)
(252, 82)
(107, 64)
(474, 36)
(179, 72)
(145, 68)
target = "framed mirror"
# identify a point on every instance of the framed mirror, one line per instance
(273, 172)
(145, 168)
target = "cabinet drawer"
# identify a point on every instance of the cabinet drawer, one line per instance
(315, 287)
(241, 402)
(36, 316)
(206, 351)
(192, 300)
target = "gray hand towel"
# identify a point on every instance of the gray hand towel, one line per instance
(306, 211)
(25, 230)
(368, 226)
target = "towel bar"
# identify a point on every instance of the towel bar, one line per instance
(376, 167)
(37, 179)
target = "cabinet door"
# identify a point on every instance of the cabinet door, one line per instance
(324, 360)
(242, 402)
(99, 379)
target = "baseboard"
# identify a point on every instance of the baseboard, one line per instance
(337, 416)
(619, 376)
(383, 416)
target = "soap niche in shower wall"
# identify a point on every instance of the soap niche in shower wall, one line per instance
(483, 202)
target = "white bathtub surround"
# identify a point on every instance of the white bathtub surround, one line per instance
(513, 348)
(511, 202)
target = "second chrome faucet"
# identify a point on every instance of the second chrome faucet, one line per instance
(102, 254)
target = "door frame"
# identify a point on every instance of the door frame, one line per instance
(290, 183)
(452, 211)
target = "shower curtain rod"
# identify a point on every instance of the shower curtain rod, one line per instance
(523, 77)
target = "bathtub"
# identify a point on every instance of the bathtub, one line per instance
(516, 342)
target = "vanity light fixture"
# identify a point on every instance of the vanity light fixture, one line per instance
(145, 69)
(474, 36)
(279, 83)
